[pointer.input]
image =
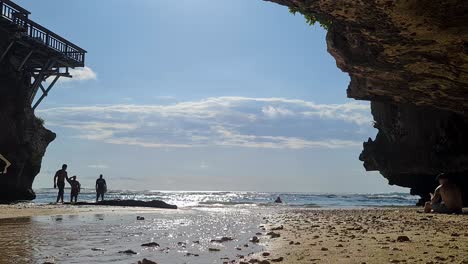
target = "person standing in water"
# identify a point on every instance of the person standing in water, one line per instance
(75, 188)
(101, 188)
(59, 181)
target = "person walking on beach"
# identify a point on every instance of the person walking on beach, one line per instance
(447, 198)
(75, 188)
(101, 188)
(59, 181)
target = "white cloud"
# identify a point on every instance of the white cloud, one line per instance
(78, 74)
(218, 121)
(83, 74)
(274, 112)
(230, 138)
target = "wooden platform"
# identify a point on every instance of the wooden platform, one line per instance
(32, 36)
(36, 51)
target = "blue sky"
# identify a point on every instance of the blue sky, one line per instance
(202, 95)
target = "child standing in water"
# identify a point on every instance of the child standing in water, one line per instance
(75, 189)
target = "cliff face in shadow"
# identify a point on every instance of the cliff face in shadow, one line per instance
(410, 59)
(23, 138)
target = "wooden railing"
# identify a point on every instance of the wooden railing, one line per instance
(19, 16)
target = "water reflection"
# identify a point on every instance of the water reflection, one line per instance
(92, 238)
(17, 240)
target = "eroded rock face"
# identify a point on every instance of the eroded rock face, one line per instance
(23, 138)
(415, 143)
(410, 58)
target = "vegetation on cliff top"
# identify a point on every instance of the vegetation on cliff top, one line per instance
(311, 19)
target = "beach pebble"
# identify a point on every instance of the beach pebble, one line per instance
(403, 239)
(265, 254)
(146, 261)
(221, 240)
(140, 218)
(277, 259)
(182, 244)
(151, 244)
(255, 239)
(128, 251)
(273, 234)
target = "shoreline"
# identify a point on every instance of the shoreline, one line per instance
(22, 210)
(379, 235)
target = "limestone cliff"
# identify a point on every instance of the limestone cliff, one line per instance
(23, 138)
(410, 59)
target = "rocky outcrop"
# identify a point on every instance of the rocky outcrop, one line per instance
(416, 143)
(23, 138)
(410, 59)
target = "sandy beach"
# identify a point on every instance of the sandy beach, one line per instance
(390, 235)
(47, 233)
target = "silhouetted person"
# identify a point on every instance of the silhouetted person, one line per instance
(59, 181)
(278, 200)
(101, 188)
(447, 198)
(75, 188)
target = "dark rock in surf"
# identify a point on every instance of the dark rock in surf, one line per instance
(151, 244)
(128, 252)
(131, 203)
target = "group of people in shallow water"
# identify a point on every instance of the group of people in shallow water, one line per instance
(59, 182)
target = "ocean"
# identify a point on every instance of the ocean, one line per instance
(216, 199)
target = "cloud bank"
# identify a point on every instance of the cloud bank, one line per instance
(273, 123)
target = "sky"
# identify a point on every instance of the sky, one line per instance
(202, 95)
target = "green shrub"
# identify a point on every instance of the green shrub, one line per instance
(311, 19)
(40, 120)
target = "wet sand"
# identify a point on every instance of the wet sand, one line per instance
(32, 210)
(61, 234)
(390, 235)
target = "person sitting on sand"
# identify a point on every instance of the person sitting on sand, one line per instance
(75, 188)
(59, 181)
(101, 188)
(278, 200)
(447, 198)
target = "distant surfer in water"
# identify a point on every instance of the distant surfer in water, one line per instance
(278, 200)
(101, 188)
(59, 181)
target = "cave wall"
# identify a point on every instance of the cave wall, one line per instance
(23, 138)
(414, 144)
(410, 59)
